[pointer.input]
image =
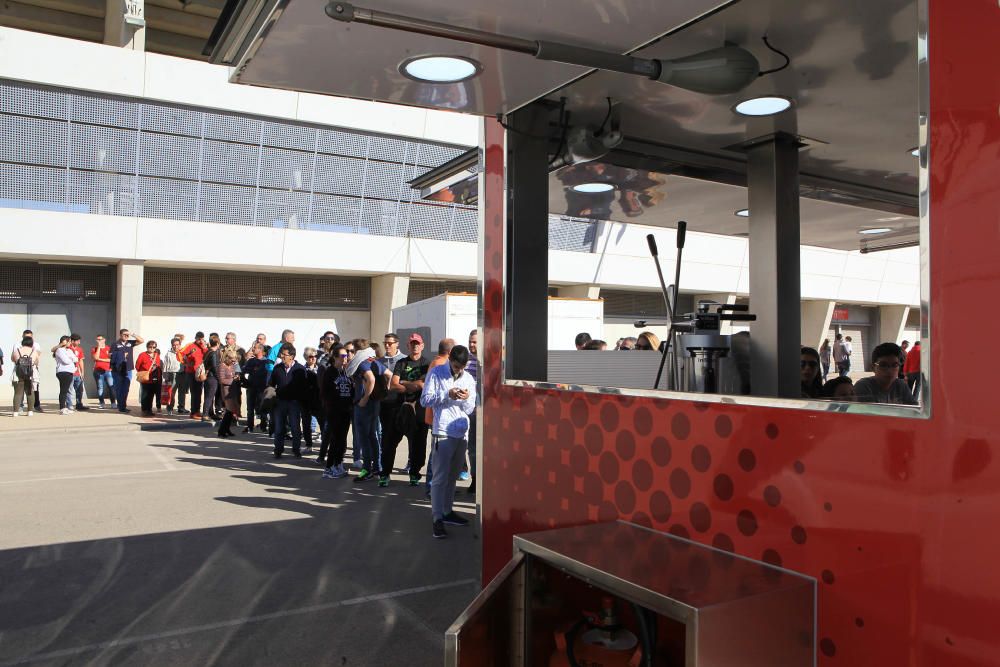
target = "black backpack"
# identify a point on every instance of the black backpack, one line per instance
(25, 367)
(381, 389)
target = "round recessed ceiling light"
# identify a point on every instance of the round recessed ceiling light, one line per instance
(743, 213)
(875, 230)
(915, 152)
(593, 187)
(763, 106)
(440, 69)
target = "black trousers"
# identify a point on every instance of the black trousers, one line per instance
(65, 382)
(305, 410)
(147, 394)
(227, 422)
(181, 388)
(392, 436)
(334, 442)
(253, 399)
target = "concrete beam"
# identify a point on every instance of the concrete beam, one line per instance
(580, 291)
(118, 31)
(892, 323)
(159, 41)
(180, 23)
(41, 19)
(128, 295)
(388, 291)
(816, 318)
(94, 8)
(209, 8)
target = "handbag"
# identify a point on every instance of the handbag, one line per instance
(142, 377)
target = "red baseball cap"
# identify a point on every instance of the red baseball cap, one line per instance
(416, 337)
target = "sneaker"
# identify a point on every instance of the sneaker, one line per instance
(82, 407)
(415, 480)
(15, 414)
(358, 465)
(64, 411)
(364, 476)
(439, 531)
(339, 471)
(170, 411)
(464, 476)
(329, 473)
(182, 411)
(100, 406)
(453, 519)
(298, 455)
(383, 481)
(195, 415)
(30, 413)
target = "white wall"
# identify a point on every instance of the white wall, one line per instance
(59, 61)
(160, 323)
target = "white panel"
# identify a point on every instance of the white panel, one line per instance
(452, 128)
(59, 61)
(162, 322)
(191, 82)
(866, 267)
(820, 286)
(855, 289)
(822, 261)
(74, 235)
(568, 317)
(224, 246)
(361, 115)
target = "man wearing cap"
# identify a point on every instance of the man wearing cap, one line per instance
(407, 384)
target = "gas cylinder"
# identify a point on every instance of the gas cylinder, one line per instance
(597, 640)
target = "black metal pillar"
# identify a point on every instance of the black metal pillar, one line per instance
(775, 276)
(527, 316)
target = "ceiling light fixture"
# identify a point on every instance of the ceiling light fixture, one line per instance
(592, 188)
(440, 69)
(763, 106)
(742, 213)
(724, 70)
(875, 230)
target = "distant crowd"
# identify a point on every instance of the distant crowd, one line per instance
(377, 392)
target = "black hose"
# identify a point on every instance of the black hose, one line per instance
(645, 636)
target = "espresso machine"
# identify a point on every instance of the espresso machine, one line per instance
(701, 358)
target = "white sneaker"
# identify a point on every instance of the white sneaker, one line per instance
(64, 411)
(15, 414)
(30, 413)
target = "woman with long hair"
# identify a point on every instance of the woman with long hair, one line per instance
(647, 340)
(812, 385)
(149, 373)
(825, 352)
(212, 362)
(337, 394)
(24, 374)
(66, 363)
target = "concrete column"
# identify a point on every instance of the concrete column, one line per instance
(128, 304)
(388, 291)
(775, 276)
(580, 291)
(892, 322)
(725, 328)
(816, 318)
(125, 24)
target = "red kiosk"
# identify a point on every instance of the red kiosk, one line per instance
(871, 523)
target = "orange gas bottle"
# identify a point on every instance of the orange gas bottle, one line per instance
(597, 640)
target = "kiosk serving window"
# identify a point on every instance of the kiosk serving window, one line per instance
(767, 246)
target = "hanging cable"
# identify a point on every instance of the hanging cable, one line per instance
(564, 124)
(607, 117)
(788, 61)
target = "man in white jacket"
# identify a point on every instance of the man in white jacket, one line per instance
(451, 393)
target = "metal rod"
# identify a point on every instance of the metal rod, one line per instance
(345, 11)
(542, 50)
(681, 236)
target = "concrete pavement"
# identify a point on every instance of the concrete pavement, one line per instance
(175, 548)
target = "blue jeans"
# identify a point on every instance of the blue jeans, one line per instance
(121, 382)
(287, 414)
(78, 391)
(105, 381)
(448, 455)
(368, 436)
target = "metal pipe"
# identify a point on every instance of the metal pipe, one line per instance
(348, 13)
(551, 51)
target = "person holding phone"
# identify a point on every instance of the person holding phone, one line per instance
(451, 393)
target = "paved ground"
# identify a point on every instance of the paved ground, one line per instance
(169, 547)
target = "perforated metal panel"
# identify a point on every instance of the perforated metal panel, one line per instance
(232, 288)
(572, 234)
(23, 281)
(89, 153)
(638, 305)
(425, 289)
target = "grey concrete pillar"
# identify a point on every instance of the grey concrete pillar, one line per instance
(128, 297)
(580, 291)
(775, 276)
(892, 323)
(816, 318)
(388, 291)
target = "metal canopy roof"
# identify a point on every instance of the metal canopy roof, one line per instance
(852, 76)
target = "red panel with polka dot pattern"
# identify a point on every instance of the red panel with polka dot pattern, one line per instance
(896, 518)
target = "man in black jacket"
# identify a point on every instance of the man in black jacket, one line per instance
(290, 383)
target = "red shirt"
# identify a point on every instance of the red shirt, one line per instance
(912, 363)
(79, 355)
(104, 353)
(145, 362)
(191, 356)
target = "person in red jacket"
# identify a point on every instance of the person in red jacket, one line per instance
(912, 368)
(149, 363)
(191, 357)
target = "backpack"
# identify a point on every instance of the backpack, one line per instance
(24, 368)
(406, 418)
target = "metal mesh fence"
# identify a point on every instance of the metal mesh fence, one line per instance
(22, 281)
(425, 289)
